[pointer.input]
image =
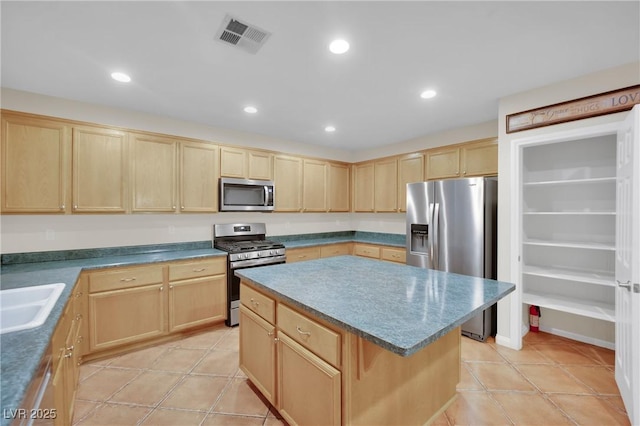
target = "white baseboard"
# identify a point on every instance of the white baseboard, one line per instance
(507, 342)
(579, 337)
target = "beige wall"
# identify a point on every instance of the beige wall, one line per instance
(510, 317)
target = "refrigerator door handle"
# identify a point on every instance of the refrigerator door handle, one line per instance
(430, 236)
(436, 237)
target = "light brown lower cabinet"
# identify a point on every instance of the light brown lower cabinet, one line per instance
(136, 304)
(258, 352)
(309, 389)
(315, 374)
(302, 254)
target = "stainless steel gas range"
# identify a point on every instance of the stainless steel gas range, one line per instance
(248, 247)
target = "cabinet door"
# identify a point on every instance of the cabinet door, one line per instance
(339, 188)
(153, 174)
(233, 162)
(308, 387)
(410, 169)
(34, 165)
(198, 177)
(100, 162)
(314, 192)
(124, 316)
(363, 187)
(197, 302)
(443, 163)
(480, 159)
(386, 185)
(260, 165)
(288, 180)
(258, 352)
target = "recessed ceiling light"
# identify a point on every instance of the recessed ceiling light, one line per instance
(339, 46)
(329, 129)
(121, 77)
(428, 94)
(250, 109)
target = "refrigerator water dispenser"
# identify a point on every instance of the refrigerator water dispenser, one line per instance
(419, 239)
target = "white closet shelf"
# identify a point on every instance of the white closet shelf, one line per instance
(571, 181)
(587, 308)
(571, 244)
(589, 277)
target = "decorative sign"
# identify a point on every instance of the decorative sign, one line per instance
(591, 106)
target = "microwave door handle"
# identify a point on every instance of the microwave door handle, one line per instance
(266, 195)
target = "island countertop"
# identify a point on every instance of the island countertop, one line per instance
(398, 307)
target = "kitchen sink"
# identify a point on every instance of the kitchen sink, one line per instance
(27, 307)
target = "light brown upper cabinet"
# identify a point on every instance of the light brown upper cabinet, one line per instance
(386, 185)
(287, 175)
(410, 169)
(480, 158)
(314, 185)
(161, 178)
(245, 163)
(477, 158)
(339, 188)
(35, 165)
(363, 187)
(100, 170)
(153, 173)
(198, 181)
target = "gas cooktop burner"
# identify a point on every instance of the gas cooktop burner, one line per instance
(252, 245)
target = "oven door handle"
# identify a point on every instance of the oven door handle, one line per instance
(263, 261)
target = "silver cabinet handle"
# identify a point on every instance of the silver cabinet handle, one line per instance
(254, 302)
(200, 270)
(626, 285)
(304, 333)
(126, 280)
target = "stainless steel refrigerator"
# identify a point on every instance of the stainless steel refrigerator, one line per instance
(451, 226)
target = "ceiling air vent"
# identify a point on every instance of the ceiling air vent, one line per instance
(242, 34)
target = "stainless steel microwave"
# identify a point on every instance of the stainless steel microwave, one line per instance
(246, 195)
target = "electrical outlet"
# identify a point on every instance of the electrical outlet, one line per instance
(172, 229)
(50, 235)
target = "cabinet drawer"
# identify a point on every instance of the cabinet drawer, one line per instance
(367, 251)
(335, 250)
(300, 254)
(394, 255)
(124, 278)
(312, 335)
(258, 303)
(197, 269)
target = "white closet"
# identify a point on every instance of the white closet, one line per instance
(568, 205)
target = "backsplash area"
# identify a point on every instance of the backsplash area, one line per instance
(38, 233)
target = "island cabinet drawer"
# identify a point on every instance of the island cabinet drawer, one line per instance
(301, 254)
(367, 251)
(309, 333)
(125, 278)
(197, 269)
(394, 254)
(258, 303)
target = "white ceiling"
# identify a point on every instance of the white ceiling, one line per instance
(472, 53)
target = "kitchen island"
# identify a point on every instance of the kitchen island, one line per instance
(347, 340)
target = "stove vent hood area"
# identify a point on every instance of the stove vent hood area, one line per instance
(241, 34)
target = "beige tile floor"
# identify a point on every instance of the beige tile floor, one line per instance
(196, 381)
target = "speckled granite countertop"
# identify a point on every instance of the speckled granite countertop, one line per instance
(309, 240)
(21, 351)
(398, 307)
